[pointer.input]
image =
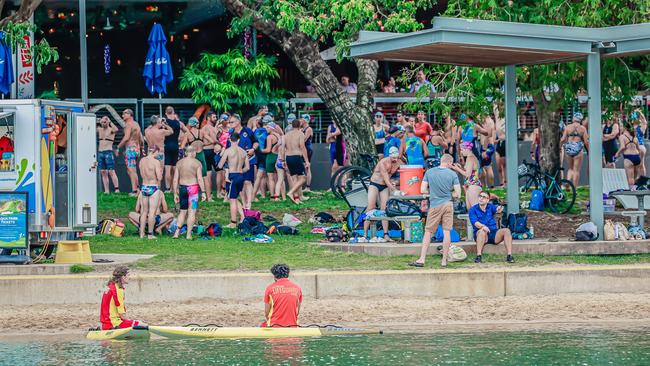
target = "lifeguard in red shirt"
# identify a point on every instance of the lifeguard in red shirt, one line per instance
(282, 299)
(113, 312)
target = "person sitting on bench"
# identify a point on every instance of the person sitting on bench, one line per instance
(481, 215)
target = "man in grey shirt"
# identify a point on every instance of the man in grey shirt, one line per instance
(442, 185)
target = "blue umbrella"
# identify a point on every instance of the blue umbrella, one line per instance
(6, 66)
(157, 66)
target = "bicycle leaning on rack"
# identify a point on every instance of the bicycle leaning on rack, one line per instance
(559, 193)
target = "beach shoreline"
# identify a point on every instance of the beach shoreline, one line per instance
(391, 314)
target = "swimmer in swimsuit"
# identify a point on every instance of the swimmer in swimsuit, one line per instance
(631, 155)
(188, 179)
(151, 172)
(574, 139)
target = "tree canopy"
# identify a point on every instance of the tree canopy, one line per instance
(230, 78)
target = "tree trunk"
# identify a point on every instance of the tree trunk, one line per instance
(27, 8)
(548, 119)
(354, 119)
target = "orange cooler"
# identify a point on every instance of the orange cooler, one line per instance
(410, 179)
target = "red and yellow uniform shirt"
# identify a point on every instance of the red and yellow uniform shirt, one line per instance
(284, 297)
(112, 307)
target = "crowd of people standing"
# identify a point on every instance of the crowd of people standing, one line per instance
(221, 157)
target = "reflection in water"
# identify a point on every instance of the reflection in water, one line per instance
(284, 351)
(547, 346)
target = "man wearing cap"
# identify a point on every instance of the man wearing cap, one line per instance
(210, 130)
(381, 186)
(196, 138)
(249, 144)
(309, 135)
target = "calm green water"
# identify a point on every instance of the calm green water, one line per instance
(587, 346)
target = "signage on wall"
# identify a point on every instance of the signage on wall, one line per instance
(13, 220)
(25, 70)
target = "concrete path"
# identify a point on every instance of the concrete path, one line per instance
(542, 246)
(57, 269)
(444, 283)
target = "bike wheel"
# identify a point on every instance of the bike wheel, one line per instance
(561, 196)
(335, 178)
(351, 178)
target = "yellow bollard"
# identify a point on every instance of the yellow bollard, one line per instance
(77, 251)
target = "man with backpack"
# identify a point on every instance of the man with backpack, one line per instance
(481, 215)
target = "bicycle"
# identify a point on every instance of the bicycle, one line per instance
(347, 177)
(559, 194)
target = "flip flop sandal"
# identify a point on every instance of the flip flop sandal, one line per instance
(416, 264)
(553, 239)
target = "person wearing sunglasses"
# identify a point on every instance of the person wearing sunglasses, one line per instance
(481, 215)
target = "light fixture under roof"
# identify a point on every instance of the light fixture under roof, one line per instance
(108, 25)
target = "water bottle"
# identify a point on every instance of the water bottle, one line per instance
(532, 232)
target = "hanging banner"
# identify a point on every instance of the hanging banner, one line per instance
(25, 69)
(13, 220)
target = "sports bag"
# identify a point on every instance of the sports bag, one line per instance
(287, 230)
(402, 208)
(335, 235)
(586, 232)
(251, 226)
(518, 223)
(213, 230)
(253, 213)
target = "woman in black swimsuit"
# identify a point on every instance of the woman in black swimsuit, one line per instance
(631, 157)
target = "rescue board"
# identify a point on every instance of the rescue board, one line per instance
(255, 332)
(136, 332)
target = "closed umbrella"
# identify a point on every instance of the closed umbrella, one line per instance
(6, 66)
(157, 66)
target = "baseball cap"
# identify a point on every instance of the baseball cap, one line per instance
(224, 117)
(193, 121)
(267, 119)
(393, 152)
(291, 117)
(306, 117)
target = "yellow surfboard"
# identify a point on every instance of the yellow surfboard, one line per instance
(119, 334)
(254, 332)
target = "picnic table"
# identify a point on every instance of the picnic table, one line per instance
(640, 196)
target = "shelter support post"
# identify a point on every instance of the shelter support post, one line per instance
(595, 143)
(512, 158)
(83, 52)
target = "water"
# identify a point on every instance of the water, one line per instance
(577, 346)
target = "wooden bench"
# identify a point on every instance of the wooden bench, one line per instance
(407, 220)
(468, 225)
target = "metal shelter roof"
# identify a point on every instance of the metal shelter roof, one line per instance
(483, 43)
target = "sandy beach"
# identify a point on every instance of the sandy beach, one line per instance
(393, 313)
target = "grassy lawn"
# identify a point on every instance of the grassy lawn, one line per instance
(230, 252)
